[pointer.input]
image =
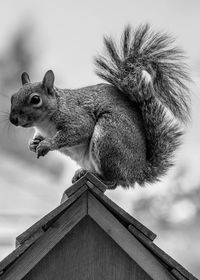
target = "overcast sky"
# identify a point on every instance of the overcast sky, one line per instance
(69, 33)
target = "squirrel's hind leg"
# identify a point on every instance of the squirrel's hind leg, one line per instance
(104, 155)
(117, 148)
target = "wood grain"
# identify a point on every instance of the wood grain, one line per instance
(126, 240)
(87, 253)
(178, 275)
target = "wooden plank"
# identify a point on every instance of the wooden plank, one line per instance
(87, 252)
(178, 275)
(50, 217)
(19, 251)
(139, 235)
(74, 196)
(95, 181)
(92, 186)
(47, 241)
(76, 186)
(159, 253)
(170, 261)
(164, 257)
(64, 198)
(126, 240)
(125, 218)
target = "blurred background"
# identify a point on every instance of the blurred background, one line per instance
(64, 36)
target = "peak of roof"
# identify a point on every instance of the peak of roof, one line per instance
(90, 183)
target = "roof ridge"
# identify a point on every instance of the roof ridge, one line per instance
(78, 184)
(98, 188)
(125, 217)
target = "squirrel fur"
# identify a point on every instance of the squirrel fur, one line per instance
(119, 130)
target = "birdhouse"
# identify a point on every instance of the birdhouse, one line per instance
(89, 237)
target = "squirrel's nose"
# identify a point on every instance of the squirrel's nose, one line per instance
(14, 120)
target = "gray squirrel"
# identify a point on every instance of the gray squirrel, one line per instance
(119, 130)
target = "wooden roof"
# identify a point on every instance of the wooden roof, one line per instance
(86, 197)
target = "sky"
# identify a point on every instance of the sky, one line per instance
(69, 33)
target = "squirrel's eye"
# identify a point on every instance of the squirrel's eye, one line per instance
(36, 100)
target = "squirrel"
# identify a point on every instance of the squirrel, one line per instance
(120, 130)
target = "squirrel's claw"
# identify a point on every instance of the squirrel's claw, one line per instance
(33, 143)
(42, 149)
(78, 174)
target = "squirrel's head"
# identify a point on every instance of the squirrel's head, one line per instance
(34, 102)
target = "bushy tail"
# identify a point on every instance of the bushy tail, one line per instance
(150, 71)
(162, 137)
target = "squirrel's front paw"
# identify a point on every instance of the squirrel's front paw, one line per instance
(43, 148)
(34, 143)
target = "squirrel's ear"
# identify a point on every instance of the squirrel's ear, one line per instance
(48, 80)
(25, 78)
